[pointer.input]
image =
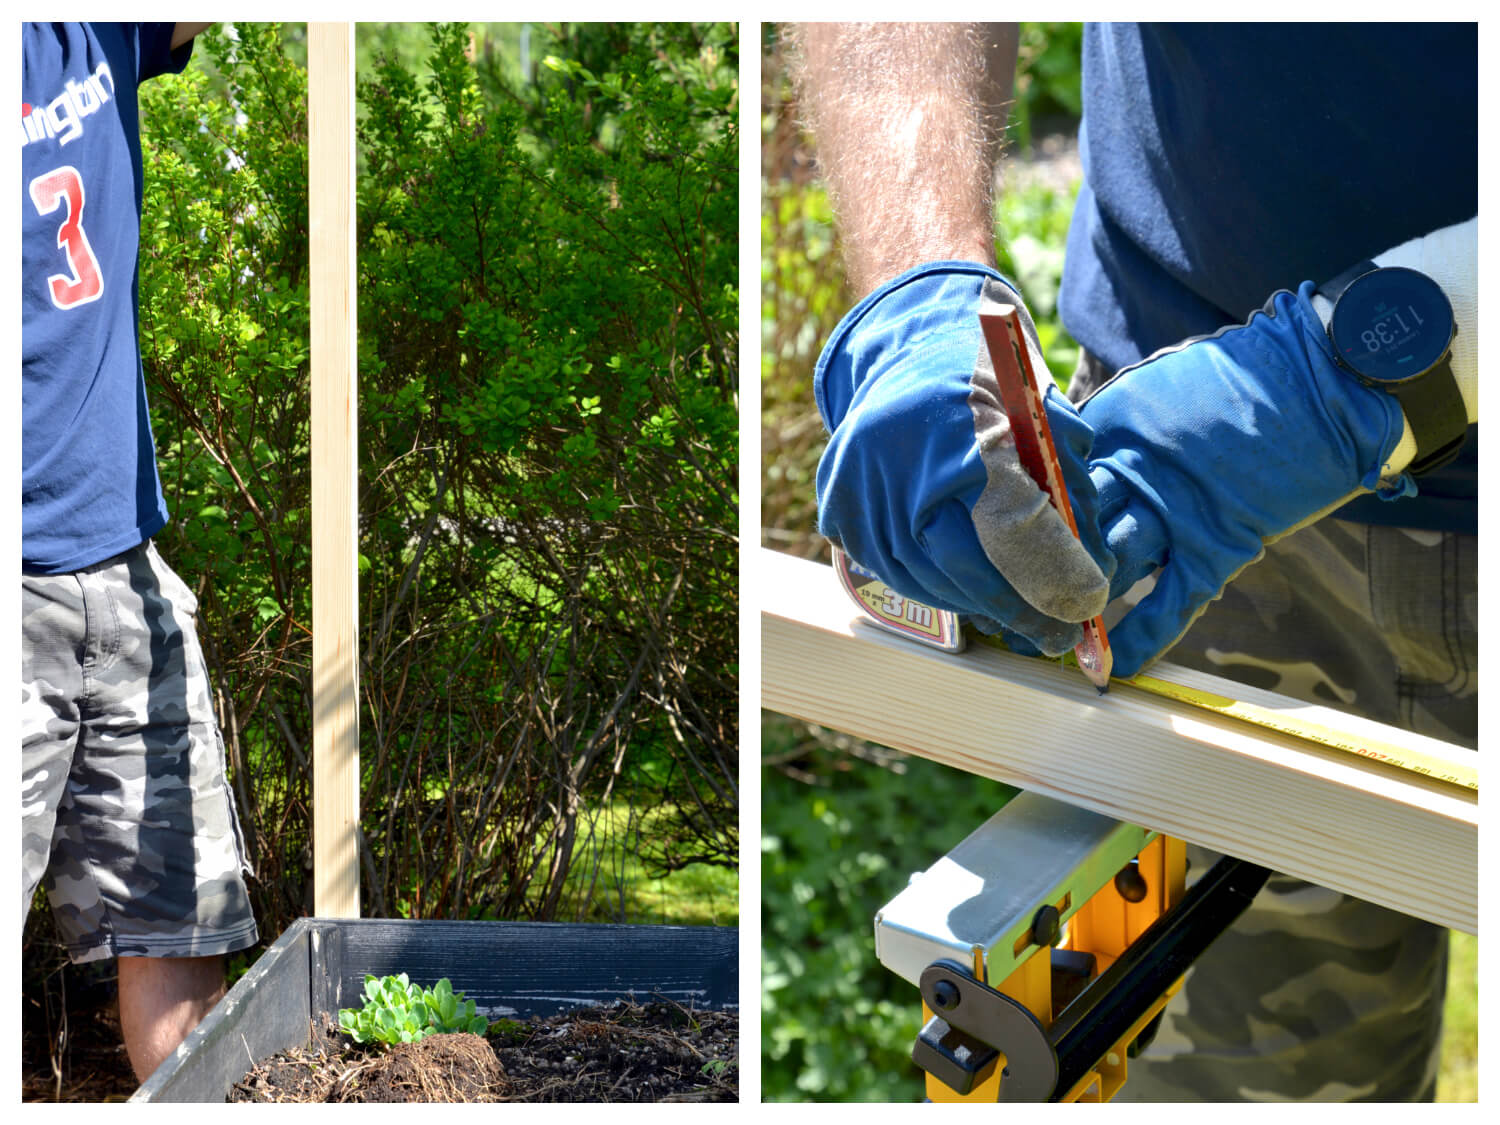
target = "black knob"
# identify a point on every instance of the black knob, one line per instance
(1131, 883)
(945, 995)
(1046, 927)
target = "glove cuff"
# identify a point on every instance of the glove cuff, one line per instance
(1365, 415)
(921, 300)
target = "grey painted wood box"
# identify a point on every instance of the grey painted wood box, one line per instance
(509, 969)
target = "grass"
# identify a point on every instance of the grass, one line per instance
(698, 895)
(609, 883)
(1458, 1074)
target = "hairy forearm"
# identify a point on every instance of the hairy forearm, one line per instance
(908, 120)
(182, 32)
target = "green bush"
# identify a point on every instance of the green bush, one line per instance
(1049, 78)
(547, 439)
(549, 398)
(225, 344)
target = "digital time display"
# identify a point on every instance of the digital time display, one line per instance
(1392, 325)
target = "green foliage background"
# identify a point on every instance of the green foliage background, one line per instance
(845, 823)
(548, 450)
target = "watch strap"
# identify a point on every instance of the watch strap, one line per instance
(1433, 405)
(1439, 420)
(1334, 289)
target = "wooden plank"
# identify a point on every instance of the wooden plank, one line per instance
(1330, 817)
(265, 1012)
(538, 968)
(334, 471)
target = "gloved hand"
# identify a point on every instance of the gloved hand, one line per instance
(1195, 458)
(920, 481)
(1206, 451)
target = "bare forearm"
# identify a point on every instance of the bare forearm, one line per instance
(182, 32)
(908, 120)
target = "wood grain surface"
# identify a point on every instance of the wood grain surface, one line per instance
(334, 470)
(1324, 815)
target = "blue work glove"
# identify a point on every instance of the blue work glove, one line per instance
(1195, 458)
(920, 481)
(1206, 451)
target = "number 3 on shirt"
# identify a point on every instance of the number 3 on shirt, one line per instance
(63, 187)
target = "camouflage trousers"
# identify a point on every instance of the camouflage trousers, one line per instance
(125, 807)
(1314, 995)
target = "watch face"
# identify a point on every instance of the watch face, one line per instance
(1392, 325)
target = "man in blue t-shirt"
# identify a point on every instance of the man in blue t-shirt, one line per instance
(1239, 180)
(126, 813)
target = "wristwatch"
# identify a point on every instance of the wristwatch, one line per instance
(1392, 328)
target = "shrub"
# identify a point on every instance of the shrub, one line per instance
(548, 441)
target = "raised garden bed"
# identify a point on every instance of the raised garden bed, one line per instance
(523, 972)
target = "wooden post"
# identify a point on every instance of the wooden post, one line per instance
(330, 128)
(1328, 816)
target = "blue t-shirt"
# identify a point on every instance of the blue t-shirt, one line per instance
(89, 486)
(1225, 161)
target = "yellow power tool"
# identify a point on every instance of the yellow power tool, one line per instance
(1045, 947)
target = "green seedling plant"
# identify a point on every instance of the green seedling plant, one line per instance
(397, 1011)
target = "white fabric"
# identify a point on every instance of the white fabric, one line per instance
(1450, 257)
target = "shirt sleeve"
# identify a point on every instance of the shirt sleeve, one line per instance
(153, 51)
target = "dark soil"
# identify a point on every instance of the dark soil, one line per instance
(645, 1052)
(71, 1049)
(656, 1052)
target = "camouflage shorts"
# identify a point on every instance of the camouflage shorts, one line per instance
(125, 805)
(1314, 995)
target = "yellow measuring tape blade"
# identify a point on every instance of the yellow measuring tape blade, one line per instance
(1429, 765)
(1298, 726)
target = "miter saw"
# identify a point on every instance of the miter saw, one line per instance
(1045, 947)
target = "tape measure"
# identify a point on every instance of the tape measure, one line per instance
(1429, 765)
(941, 630)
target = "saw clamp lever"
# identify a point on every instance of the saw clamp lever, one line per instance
(979, 1029)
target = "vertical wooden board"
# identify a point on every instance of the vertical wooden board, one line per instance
(334, 470)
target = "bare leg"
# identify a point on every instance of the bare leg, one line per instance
(161, 1000)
